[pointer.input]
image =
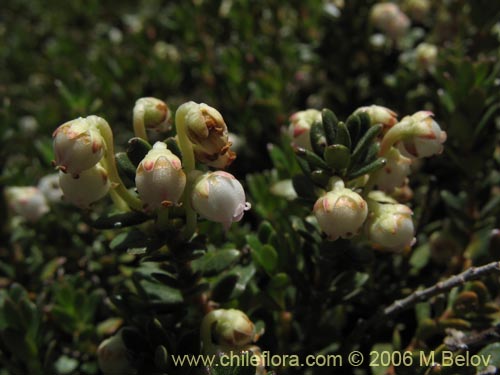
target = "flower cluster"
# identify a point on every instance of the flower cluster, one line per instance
(361, 167)
(88, 169)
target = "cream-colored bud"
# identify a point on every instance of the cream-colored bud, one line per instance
(112, 356)
(219, 197)
(49, 186)
(78, 145)
(425, 138)
(27, 202)
(340, 213)
(300, 127)
(426, 55)
(379, 115)
(90, 186)
(418, 135)
(159, 179)
(232, 328)
(389, 18)
(207, 131)
(394, 173)
(154, 112)
(389, 223)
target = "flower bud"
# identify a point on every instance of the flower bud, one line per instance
(27, 202)
(219, 197)
(90, 186)
(379, 115)
(389, 223)
(112, 356)
(426, 55)
(232, 327)
(300, 127)
(159, 179)
(394, 173)
(340, 213)
(418, 9)
(155, 113)
(49, 186)
(425, 137)
(419, 135)
(78, 145)
(389, 18)
(208, 133)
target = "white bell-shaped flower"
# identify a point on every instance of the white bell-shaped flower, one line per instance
(27, 202)
(49, 186)
(394, 173)
(340, 213)
(218, 196)
(159, 179)
(78, 145)
(389, 223)
(90, 186)
(416, 136)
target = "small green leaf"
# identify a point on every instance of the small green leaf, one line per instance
(364, 143)
(125, 166)
(370, 168)
(314, 160)
(491, 352)
(137, 150)
(337, 156)
(269, 258)
(353, 125)
(330, 122)
(126, 240)
(343, 137)
(214, 262)
(318, 140)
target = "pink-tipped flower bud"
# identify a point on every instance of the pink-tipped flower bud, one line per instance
(394, 173)
(159, 179)
(78, 145)
(300, 127)
(219, 197)
(418, 135)
(389, 18)
(112, 356)
(207, 131)
(340, 213)
(27, 202)
(379, 115)
(424, 137)
(232, 328)
(389, 223)
(90, 186)
(154, 112)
